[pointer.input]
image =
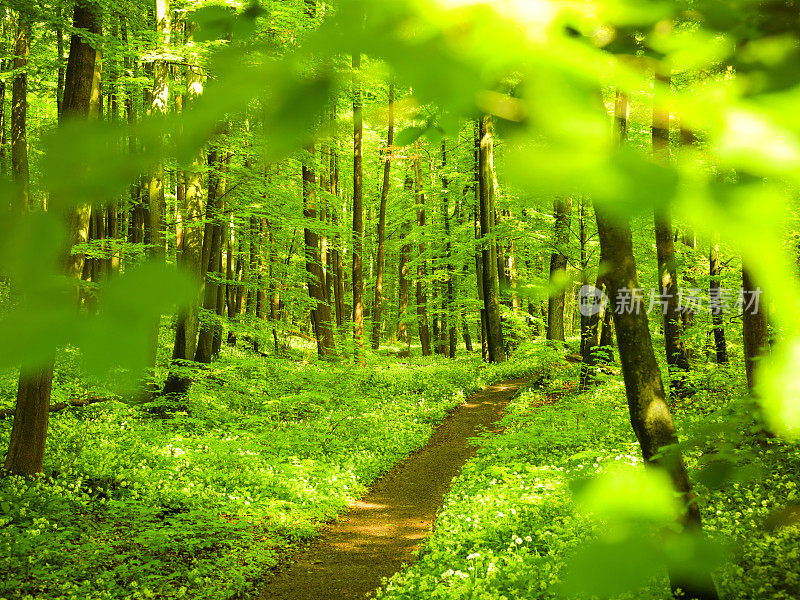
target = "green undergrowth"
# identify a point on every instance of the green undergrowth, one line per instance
(200, 503)
(512, 526)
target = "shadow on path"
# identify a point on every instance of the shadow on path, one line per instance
(382, 530)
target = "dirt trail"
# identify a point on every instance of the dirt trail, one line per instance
(382, 530)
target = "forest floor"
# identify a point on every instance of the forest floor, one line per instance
(383, 529)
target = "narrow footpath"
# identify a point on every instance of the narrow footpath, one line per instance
(381, 531)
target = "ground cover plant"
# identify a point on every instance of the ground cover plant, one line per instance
(251, 251)
(135, 505)
(521, 521)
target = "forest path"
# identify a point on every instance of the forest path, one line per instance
(381, 530)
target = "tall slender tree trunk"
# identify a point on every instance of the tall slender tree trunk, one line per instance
(479, 277)
(190, 258)
(755, 332)
(650, 416)
(274, 294)
(26, 447)
(252, 283)
(321, 313)
(591, 353)
(358, 218)
(222, 288)
(562, 213)
(422, 269)
(582, 238)
(19, 111)
(649, 413)
(377, 311)
(714, 271)
(156, 199)
(61, 66)
(677, 357)
(448, 318)
(158, 107)
(402, 285)
(461, 211)
(211, 257)
(491, 286)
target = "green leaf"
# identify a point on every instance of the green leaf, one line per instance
(409, 136)
(609, 568)
(122, 335)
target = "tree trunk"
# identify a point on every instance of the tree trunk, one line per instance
(212, 248)
(358, 219)
(650, 417)
(321, 314)
(377, 311)
(755, 332)
(252, 284)
(422, 270)
(272, 287)
(491, 286)
(31, 417)
(479, 277)
(677, 357)
(714, 271)
(19, 110)
(562, 213)
(448, 319)
(190, 259)
(222, 288)
(402, 285)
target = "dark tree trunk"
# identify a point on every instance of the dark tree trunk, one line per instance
(25, 454)
(212, 252)
(321, 314)
(448, 319)
(491, 288)
(274, 294)
(377, 311)
(592, 351)
(584, 316)
(19, 111)
(403, 275)
(479, 277)
(358, 218)
(402, 291)
(714, 271)
(650, 416)
(190, 260)
(31, 418)
(755, 332)
(421, 295)
(649, 413)
(677, 357)
(222, 292)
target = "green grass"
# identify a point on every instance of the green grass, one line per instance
(200, 503)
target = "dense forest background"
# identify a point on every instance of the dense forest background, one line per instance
(252, 253)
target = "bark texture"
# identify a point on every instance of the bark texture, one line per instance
(377, 311)
(562, 215)
(491, 286)
(358, 219)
